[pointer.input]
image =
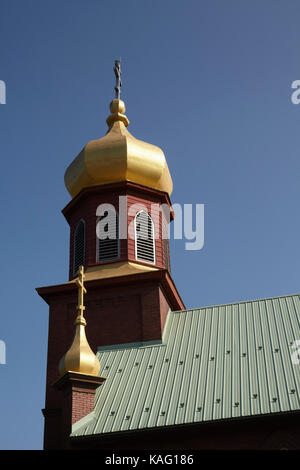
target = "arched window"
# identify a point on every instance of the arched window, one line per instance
(108, 236)
(144, 238)
(79, 246)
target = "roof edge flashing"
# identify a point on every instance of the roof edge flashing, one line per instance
(134, 345)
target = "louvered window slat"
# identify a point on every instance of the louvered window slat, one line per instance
(108, 248)
(144, 234)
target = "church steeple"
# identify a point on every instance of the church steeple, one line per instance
(127, 277)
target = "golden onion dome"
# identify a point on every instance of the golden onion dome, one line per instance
(118, 156)
(79, 358)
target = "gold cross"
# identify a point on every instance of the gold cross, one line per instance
(81, 290)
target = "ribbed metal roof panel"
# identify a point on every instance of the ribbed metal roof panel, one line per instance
(214, 363)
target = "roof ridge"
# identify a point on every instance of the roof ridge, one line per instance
(236, 303)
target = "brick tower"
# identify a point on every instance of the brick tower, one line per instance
(118, 218)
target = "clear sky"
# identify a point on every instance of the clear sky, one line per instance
(210, 83)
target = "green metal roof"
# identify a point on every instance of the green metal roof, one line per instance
(214, 363)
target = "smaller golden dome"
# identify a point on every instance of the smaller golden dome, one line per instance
(118, 156)
(80, 358)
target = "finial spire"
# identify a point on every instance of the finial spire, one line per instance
(117, 70)
(81, 290)
(117, 106)
(80, 358)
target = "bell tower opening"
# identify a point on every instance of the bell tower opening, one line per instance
(144, 238)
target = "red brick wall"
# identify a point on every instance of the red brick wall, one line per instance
(85, 206)
(134, 312)
(86, 210)
(164, 308)
(82, 404)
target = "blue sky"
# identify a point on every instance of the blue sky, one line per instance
(207, 81)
